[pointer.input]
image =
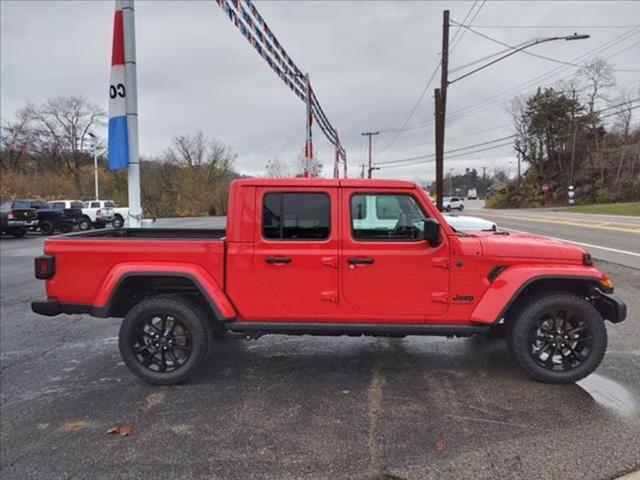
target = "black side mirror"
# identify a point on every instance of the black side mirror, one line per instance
(432, 232)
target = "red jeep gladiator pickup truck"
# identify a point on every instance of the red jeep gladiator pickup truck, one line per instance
(331, 257)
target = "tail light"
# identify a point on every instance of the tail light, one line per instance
(10, 215)
(45, 266)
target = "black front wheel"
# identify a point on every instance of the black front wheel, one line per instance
(558, 338)
(163, 340)
(46, 227)
(18, 232)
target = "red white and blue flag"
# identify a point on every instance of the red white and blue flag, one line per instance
(118, 132)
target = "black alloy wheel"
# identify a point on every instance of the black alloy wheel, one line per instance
(162, 343)
(164, 339)
(557, 337)
(560, 340)
(84, 223)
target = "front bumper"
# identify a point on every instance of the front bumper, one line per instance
(610, 306)
(22, 223)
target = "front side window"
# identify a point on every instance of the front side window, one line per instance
(109, 205)
(296, 216)
(95, 204)
(57, 205)
(390, 217)
(76, 204)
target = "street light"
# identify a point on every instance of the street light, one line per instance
(95, 163)
(531, 43)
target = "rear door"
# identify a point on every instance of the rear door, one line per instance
(296, 248)
(389, 270)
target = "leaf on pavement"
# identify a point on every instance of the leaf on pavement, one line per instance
(440, 445)
(123, 429)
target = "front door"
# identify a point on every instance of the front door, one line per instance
(389, 270)
(296, 249)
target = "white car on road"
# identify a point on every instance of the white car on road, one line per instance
(452, 203)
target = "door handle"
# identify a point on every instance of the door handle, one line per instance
(279, 260)
(360, 260)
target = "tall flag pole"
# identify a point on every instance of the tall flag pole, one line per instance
(123, 106)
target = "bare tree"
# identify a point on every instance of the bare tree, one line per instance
(66, 123)
(598, 79)
(277, 168)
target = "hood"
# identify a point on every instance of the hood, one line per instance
(526, 245)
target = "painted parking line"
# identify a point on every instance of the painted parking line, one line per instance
(589, 245)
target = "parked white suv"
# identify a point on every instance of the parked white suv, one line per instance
(452, 203)
(95, 215)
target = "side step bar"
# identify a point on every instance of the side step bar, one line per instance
(353, 329)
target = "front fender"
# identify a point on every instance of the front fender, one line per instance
(214, 294)
(506, 287)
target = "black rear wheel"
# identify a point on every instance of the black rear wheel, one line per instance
(46, 227)
(163, 340)
(558, 338)
(118, 221)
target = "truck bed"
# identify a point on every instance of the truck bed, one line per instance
(87, 262)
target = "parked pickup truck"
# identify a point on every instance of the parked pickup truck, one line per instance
(296, 258)
(95, 215)
(16, 218)
(52, 218)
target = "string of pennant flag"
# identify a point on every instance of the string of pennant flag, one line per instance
(254, 28)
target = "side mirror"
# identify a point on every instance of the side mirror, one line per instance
(432, 232)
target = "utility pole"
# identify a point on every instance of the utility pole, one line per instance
(439, 151)
(369, 134)
(442, 111)
(484, 181)
(308, 146)
(362, 170)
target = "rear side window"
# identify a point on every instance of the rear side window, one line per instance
(57, 205)
(76, 204)
(109, 205)
(296, 216)
(95, 204)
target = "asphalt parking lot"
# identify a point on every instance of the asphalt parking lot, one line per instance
(304, 407)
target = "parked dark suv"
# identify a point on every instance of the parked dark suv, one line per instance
(17, 217)
(53, 217)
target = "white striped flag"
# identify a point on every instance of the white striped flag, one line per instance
(118, 132)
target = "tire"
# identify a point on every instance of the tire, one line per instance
(118, 221)
(84, 223)
(46, 227)
(145, 358)
(448, 208)
(18, 232)
(461, 208)
(557, 338)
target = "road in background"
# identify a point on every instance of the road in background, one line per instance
(614, 238)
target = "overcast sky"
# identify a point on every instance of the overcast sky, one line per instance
(368, 62)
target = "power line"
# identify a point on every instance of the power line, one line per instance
(456, 114)
(464, 31)
(401, 162)
(554, 26)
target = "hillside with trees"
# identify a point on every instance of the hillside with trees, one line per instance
(47, 152)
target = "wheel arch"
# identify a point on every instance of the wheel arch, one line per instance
(514, 285)
(132, 286)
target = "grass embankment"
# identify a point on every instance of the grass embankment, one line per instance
(630, 208)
